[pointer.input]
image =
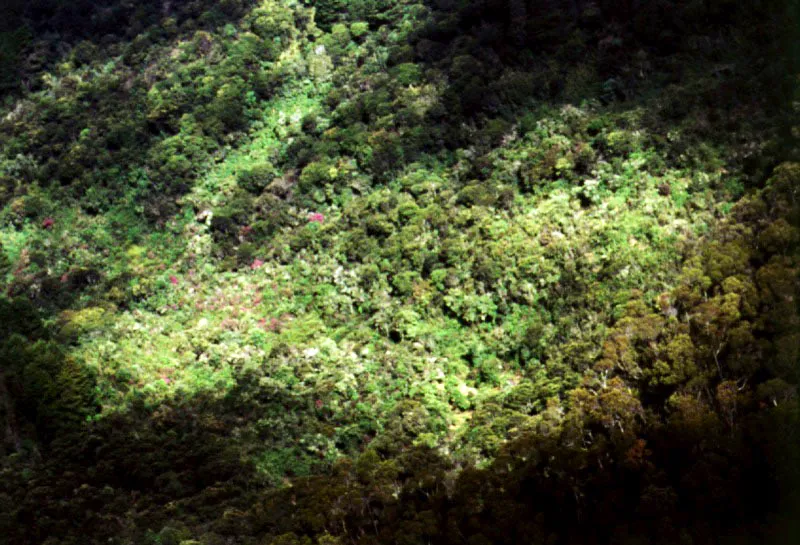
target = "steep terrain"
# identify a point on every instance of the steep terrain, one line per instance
(327, 272)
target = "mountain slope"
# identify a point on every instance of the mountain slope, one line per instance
(328, 272)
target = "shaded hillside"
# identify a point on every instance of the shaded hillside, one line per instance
(368, 272)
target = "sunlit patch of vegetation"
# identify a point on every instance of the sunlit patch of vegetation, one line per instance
(323, 272)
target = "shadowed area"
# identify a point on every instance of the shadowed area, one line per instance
(367, 272)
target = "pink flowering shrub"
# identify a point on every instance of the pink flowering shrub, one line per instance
(273, 324)
(316, 217)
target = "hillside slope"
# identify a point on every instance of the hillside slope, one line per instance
(399, 272)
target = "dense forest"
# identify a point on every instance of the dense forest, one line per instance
(331, 272)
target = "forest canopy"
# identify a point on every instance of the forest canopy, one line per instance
(320, 272)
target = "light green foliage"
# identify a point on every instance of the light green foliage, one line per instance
(358, 29)
(285, 248)
(81, 322)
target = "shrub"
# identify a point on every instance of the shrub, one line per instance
(315, 175)
(359, 29)
(406, 74)
(255, 179)
(55, 392)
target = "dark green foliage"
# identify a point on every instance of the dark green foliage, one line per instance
(375, 12)
(316, 175)
(177, 159)
(13, 42)
(257, 178)
(176, 112)
(5, 263)
(51, 391)
(364, 272)
(18, 316)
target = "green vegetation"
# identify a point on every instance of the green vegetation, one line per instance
(327, 272)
